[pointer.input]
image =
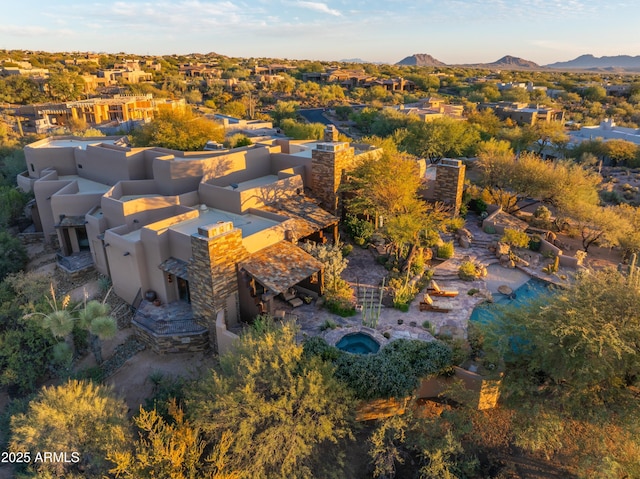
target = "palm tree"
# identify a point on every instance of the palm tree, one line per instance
(96, 320)
(59, 321)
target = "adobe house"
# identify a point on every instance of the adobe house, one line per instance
(212, 236)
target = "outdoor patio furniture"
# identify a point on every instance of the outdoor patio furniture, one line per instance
(435, 290)
(429, 305)
(295, 302)
(289, 294)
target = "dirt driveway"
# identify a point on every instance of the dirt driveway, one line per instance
(132, 382)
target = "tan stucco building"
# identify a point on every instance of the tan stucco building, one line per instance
(216, 231)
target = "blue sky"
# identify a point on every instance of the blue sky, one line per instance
(453, 31)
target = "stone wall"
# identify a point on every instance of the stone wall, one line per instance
(213, 281)
(161, 344)
(449, 183)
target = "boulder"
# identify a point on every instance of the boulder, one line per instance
(464, 242)
(502, 249)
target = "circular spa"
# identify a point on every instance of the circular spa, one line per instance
(358, 343)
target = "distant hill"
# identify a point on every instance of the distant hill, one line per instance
(509, 61)
(421, 60)
(588, 62)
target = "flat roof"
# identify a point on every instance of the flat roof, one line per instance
(69, 143)
(262, 181)
(85, 185)
(250, 224)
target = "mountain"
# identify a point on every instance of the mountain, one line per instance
(421, 60)
(588, 61)
(513, 62)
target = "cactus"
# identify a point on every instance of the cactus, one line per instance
(556, 264)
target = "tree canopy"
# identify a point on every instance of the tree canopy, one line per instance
(580, 344)
(76, 416)
(178, 130)
(285, 413)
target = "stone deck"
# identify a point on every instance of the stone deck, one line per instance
(169, 327)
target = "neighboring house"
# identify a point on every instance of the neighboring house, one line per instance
(522, 113)
(213, 232)
(431, 109)
(607, 130)
(95, 111)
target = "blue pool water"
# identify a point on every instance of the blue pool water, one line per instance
(484, 313)
(358, 343)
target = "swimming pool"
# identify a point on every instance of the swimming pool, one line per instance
(358, 343)
(534, 288)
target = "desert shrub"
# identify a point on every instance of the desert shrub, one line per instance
(13, 255)
(346, 249)
(446, 250)
(431, 238)
(341, 307)
(468, 271)
(490, 229)
(518, 239)
(541, 217)
(359, 228)
(612, 197)
(454, 224)
(382, 259)
(417, 266)
(395, 371)
(477, 205)
(403, 293)
(328, 324)
(535, 242)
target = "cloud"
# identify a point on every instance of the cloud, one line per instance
(319, 7)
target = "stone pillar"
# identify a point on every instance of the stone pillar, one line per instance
(213, 281)
(329, 161)
(450, 183)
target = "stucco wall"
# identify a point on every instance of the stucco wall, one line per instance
(38, 159)
(128, 271)
(109, 165)
(261, 195)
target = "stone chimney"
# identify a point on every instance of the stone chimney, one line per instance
(329, 162)
(449, 183)
(213, 281)
(330, 134)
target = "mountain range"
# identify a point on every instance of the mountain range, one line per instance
(508, 62)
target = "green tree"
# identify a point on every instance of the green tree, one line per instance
(13, 255)
(12, 203)
(598, 225)
(284, 109)
(178, 130)
(443, 137)
(77, 416)
(594, 93)
(285, 413)
(235, 109)
(579, 345)
(621, 151)
(95, 319)
(171, 448)
(302, 131)
(65, 86)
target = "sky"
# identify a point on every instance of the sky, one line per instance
(452, 31)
